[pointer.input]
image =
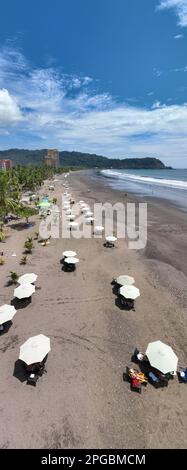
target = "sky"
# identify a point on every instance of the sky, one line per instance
(98, 76)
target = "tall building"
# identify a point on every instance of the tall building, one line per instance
(5, 164)
(52, 158)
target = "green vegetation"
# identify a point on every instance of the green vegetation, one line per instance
(26, 212)
(23, 260)
(16, 180)
(28, 245)
(14, 277)
(80, 160)
(2, 234)
(36, 235)
(9, 193)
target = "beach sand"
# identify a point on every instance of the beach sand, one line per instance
(82, 401)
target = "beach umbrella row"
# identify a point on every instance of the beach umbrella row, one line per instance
(23, 291)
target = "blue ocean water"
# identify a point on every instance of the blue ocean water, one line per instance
(166, 184)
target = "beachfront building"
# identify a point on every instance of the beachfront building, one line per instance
(52, 158)
(5, 164)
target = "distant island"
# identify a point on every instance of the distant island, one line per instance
(81, 160)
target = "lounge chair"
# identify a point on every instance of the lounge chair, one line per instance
(182, 375)
(136, 385)
(109, 244)
(69, 267)
(32, 379)
(156, 381)
(127, 304)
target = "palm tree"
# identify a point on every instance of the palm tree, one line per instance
(24, 211)
(9, 195)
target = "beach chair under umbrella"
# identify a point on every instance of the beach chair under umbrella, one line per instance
(129, 292)
(84, 209)
(24, 291)
(7, 313)
(98, 230)
(70, 263)
(73, 225)
(71, 260)
(35, 349)
(110, 240)
(27, 278)
(89, 214)
(70, 217)
(162, 357)
(89, 221)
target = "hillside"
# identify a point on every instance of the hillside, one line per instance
(79, 159)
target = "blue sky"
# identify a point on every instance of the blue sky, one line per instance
(103, 76)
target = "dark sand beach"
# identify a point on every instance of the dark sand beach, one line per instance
(82, 401)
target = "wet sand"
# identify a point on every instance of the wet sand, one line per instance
(82, 401)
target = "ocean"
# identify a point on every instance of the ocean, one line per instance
(166, 184)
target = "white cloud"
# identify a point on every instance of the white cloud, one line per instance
(178, 36)
(180, 8)
(9, 110)
(180, 69)
(54, 112)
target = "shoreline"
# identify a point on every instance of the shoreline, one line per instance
(176, 201)
(82, 401)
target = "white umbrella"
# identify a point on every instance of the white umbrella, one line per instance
(69, 254)
(81, 202)
(129, 292)
(89, 220)
(35, 349)
(70, 217)
(28, 278)
(71, 260)
(24, 291)
(162, 357)
(73, 225)
(89, 214)
(111, 239)
(68, 211)
(55, 209)
(7, 312)
(125, 280)
(99, 229)
(84, 209)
